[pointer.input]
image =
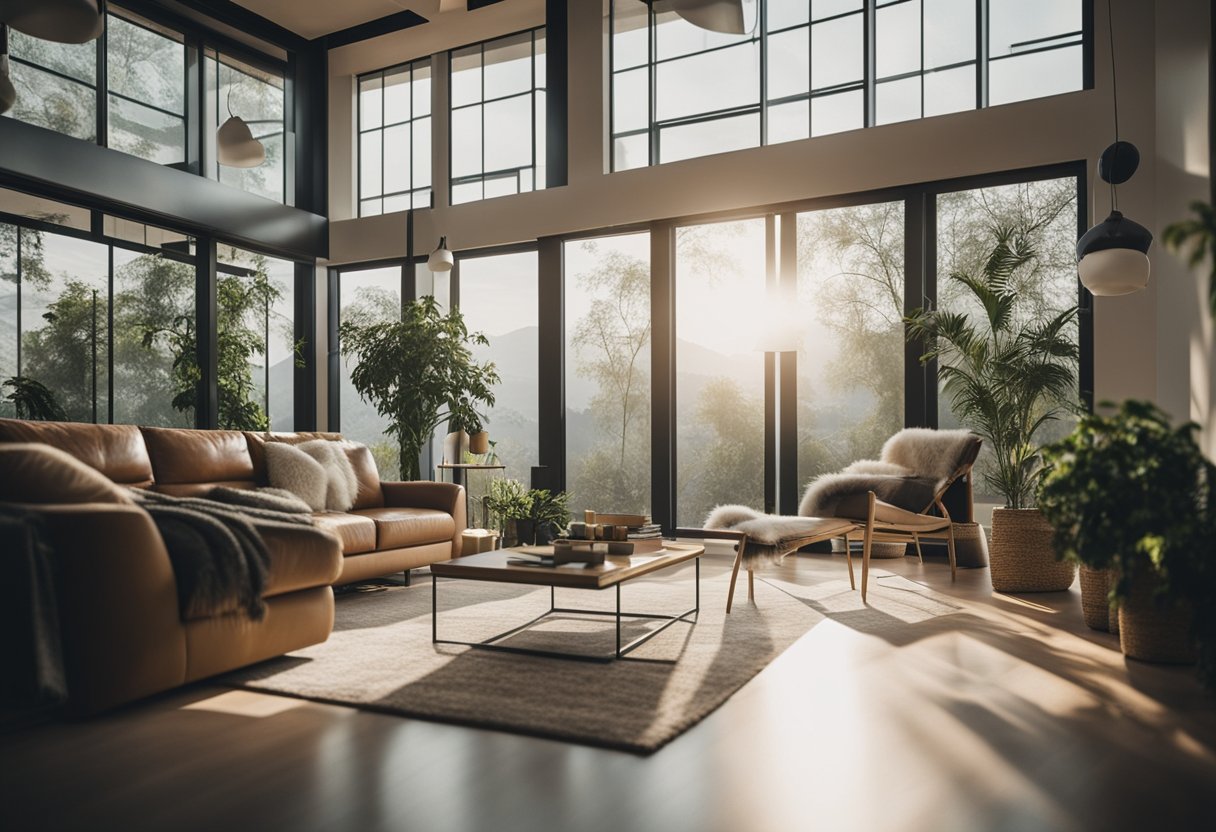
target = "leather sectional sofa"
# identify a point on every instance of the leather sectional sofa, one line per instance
(123, 634)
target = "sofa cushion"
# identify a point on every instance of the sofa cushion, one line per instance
(31, 472)
(300, 557)
(118, 451)
(293, 470)
(358, 534)
(257, 442)
(194, 456)
(341, 485)
(361, 459)
(399, 527)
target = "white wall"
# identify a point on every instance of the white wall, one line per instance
(1147, 345)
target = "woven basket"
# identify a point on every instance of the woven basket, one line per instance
(1096, 608)
(878, 551)
(970, 545)
(1021, 554)
(1151, 633)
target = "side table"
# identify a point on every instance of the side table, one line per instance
(462, 475)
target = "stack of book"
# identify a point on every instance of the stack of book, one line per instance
(641, 531)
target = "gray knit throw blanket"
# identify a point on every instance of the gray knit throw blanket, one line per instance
(216, 547)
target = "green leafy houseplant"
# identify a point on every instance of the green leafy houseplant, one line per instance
(1129, 493)
(417, 371)
(1200, 232)
(550, 513)
(33, 400)
(532, 512)
(1007, 371)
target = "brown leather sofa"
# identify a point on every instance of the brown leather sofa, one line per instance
(123, 633)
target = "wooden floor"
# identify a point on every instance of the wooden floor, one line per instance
(1018, 719)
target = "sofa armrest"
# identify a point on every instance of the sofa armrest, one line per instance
(441, 496)
(122, 633)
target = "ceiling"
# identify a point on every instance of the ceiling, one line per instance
(313, 18)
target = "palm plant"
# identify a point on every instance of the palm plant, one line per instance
(1200, 232)
(33, 400)
(1008, 371)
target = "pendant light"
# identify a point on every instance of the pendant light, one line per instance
(1112, 257)
(234, 142)
(62, 21)
(725, 16)
(8, 93)
(441, 259)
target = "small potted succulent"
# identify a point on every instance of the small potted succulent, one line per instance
(1131, 494)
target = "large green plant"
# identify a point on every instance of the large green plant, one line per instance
(1130, 493)
(32, 400)
(1008, 370)
(416, 371)
(1200, 233)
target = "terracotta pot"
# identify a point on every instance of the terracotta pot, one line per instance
(479, 443)
(1151, 632)
(1021, 555)
(1096, 609)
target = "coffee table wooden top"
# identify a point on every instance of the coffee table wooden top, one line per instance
(493, 566)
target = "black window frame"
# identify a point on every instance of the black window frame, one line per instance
(410, 66)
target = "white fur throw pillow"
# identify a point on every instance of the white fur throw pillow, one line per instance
(289, 468)
(342, 486)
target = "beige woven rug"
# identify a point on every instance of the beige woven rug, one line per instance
(380, 655)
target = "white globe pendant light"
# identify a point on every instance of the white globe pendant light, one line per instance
(62, 21)
(235, 145)
(441, 259)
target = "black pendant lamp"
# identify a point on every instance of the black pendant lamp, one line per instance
(1112, 257)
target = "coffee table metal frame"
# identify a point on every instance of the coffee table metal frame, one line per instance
(622, 650)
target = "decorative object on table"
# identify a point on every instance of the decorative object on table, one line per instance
(1200, 233)
(971, 545)
(492, 454)
(558, 554)
(526, 516)
(1131, 494)
(1007, 371)
(1112, 257)
(455, 447)
(416, 396)
(479, 443)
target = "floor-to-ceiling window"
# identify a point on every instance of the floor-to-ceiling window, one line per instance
(395, 139)
(607, 327)
(721, 303)
(146, 82)
(497, 117)
(498, 298)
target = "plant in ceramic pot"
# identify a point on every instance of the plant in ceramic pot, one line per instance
(1131, 494)
(509, 504)
(1008, 369)
(465, 430)
(416, 371)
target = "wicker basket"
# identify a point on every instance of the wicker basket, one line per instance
(1151, 633)
(970, 545)
(1021, 554)
(878, 551)
(1096, 608)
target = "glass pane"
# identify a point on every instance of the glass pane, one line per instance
(675, 36)
(146, 133)
(630, 100)
(783, 13)
(75, 60)
(466, 192)
(397, 96)
(508, 136)
(466, 76)
(951, 91)
(949, 32)
(709, 82)
(280, 343)
(837, 52)
(145, 66)
(701, 139)
(1047, 212)
(837, 113)
(789, 63)
(508, 66)
(789, 122)
(898, 100)
(1012, 23)
(54, 103)
(630, 38)
(831, 8)
(370, 207)
(64, 321)
(422, 198)
(396, 159)
(1035, 75)
(850, 306)
(608, 374)
(720, 302)
(539, 133)
(371, 102)
(399, 202)
(370, 164)
(8, 312)
(503, 185)
(422, 152)
(630, 152)
(153, 322)
(421, 87)
(368, 296)
(898, 39)
(466, 141)
(498, 296)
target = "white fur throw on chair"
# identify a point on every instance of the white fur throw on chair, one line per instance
(770, 537)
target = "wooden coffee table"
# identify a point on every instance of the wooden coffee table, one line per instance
(615, 571)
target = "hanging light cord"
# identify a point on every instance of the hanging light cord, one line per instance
(1114, 91)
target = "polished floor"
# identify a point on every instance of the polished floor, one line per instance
(1007, 715)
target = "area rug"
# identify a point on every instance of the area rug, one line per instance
(381, 657)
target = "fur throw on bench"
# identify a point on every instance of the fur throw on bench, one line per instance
(216, 547)
(770, 537)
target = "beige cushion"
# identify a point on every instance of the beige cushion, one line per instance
(358, 534)
(341, 486)
(398, 527)
(31, 472)
(290, 468)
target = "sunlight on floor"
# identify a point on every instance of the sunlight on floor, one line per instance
(1022, 602)
(245, 703)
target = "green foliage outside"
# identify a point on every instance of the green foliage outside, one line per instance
(32, 400)
(1130, 493)
(1008, 371)
(415, 371)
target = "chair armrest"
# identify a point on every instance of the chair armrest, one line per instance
(440, 496)
(122, 632)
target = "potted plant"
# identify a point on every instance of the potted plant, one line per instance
(550, 513)
(1130, 494)
(509, 504)
(467, 428)
(1008, 371)
(417, 371)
